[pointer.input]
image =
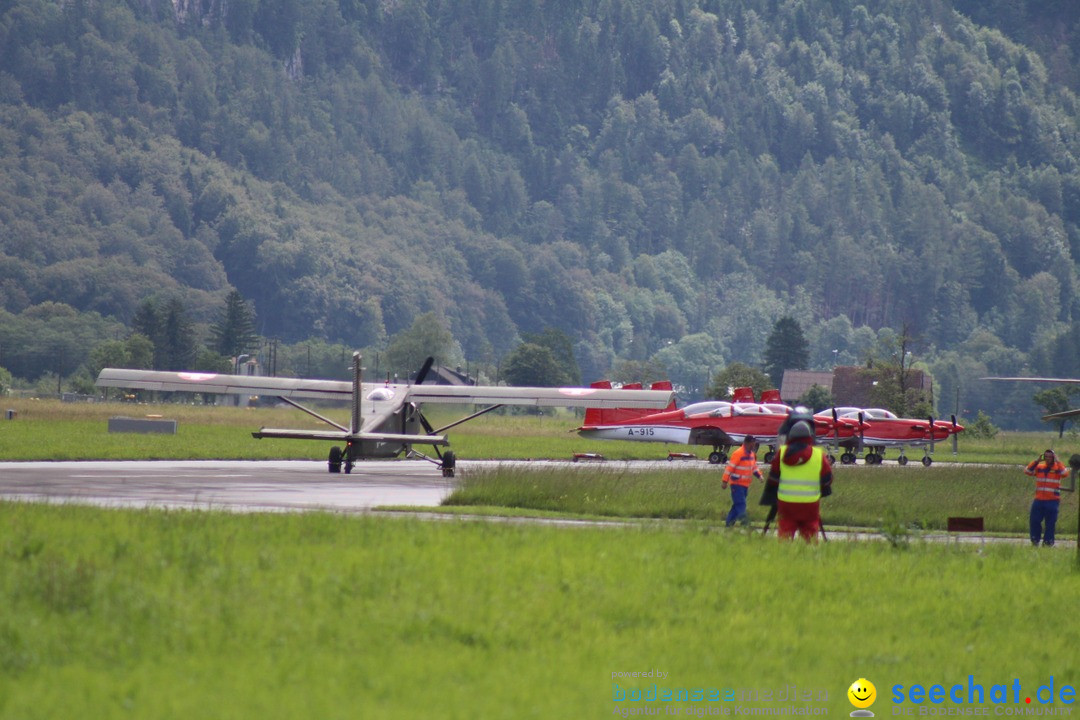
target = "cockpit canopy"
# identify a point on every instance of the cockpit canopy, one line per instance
(723, 408)
(867, 413)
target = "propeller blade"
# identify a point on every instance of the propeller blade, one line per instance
(424, 369)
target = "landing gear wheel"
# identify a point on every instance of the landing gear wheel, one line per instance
(832, 459)
(714, 458)
(902, 460)
(449, 462)
(927, 461)
(769, 456)
(847, 459)
(873, 459)
(334, 462)
(348, 465)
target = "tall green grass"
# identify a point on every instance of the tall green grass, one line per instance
(153, 614)
(911, 497)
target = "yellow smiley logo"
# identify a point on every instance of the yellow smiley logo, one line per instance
(862, 693)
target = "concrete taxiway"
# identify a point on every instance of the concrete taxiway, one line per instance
(239, 486)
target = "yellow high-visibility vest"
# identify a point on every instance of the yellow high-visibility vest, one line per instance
(801, 483)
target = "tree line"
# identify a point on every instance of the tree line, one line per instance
(658, 181)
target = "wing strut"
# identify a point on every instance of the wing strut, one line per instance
(464, 419)
(313, 414)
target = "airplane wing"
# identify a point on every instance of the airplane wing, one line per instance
(214, 383)
(1063, 415)
(297, 388)
(1036, 379)
(539, 396)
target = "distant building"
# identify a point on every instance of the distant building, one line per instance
(797, 382)
(849, 385)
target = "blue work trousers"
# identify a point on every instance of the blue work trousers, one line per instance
(1043, 510)
(738, 506)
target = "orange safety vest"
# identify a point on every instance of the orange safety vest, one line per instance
(1047, 479)
(741, 467)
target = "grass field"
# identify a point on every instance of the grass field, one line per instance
(49, 429)
(153, 614)
(157, 614)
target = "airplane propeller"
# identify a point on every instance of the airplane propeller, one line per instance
(423, 373)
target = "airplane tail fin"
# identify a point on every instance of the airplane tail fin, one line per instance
(743, 395)
(609, 416)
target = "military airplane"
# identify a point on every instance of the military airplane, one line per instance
(883, 428)
(385, 420)
(719, 423)
(1064, 414)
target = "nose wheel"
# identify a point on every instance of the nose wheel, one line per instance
(449, 462)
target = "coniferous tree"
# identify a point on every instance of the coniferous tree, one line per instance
(179, 348)
(786, 349)
(233, 334)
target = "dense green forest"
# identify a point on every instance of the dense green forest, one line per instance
(659, 180)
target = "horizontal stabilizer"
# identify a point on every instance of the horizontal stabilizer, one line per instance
(360, 437)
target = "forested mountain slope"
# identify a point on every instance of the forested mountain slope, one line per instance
(657, 178)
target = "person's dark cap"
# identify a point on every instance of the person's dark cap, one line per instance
(749, 439)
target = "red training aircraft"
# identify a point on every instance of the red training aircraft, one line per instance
(718, 423)
(884, 428)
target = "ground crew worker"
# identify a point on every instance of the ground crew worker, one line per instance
(801, 475)
(739, 473)
(1048, 472)
(799, 413)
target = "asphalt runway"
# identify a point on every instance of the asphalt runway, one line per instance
(252, 485)
(238, 486)
(295, 486)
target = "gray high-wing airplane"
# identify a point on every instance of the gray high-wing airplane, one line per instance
(1064, 414)
(386, 419)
